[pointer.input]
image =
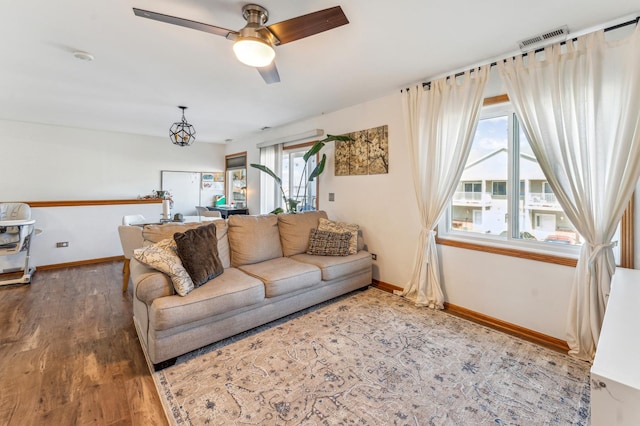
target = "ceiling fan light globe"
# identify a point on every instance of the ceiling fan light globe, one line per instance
(253, 52)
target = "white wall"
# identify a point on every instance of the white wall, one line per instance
(531, 294)
(534, 295)
(383, 205)
(43, 163)
(52, 163)
(91, 231)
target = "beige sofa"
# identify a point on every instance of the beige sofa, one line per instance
(267, 275)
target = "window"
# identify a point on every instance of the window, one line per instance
(287, 162)
(473, 187)
(295, 177)
(503, 194)
(500, 188)
(236, 174)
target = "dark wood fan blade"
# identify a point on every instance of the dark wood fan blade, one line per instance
(270, 73)
(308, 25)
(183, 22)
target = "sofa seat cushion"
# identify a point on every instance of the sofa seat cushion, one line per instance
(283, 275)
(333, 267)
(229, 291)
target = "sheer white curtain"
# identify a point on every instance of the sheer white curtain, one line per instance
(440, 122)
(580, 109)
(270, 199)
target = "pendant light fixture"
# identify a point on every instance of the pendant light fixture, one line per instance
(181, 132)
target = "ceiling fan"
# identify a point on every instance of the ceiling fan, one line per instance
(253, 44)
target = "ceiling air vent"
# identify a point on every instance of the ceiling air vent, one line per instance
(544, 39)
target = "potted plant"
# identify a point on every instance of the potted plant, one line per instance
(291, 203)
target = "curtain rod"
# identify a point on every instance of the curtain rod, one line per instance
(492, 64)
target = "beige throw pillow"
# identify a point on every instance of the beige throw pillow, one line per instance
(341, 227)
(164, 257)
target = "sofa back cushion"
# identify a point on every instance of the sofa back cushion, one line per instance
(295, 229)
(155, 233)
(253, 239)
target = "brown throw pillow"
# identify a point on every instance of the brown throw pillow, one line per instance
(326, 243)
(198, 251)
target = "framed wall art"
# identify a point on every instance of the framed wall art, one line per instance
(366, 154)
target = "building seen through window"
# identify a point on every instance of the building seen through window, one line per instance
(503, 193)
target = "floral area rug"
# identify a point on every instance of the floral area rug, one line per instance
(372, 358)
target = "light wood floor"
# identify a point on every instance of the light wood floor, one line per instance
(69, 354)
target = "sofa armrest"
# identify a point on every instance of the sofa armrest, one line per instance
(149, 284)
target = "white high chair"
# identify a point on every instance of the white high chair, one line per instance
(16, 231)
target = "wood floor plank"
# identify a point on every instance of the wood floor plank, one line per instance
(140, 392)
(61, 415)
(69, 353)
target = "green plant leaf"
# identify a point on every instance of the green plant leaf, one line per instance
(277, 211)
(342, 138)
(319, 168)
(267, 171)
(289, 203)
(313, 150)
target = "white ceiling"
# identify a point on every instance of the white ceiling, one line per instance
(144, 69)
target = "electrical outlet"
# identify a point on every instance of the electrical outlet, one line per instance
(374, 256)
(62, 244)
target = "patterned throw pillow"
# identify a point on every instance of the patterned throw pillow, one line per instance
(164, 257)
(325, 243)
(198, 250)
(341, 227)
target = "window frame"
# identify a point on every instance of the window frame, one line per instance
(521, 248)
